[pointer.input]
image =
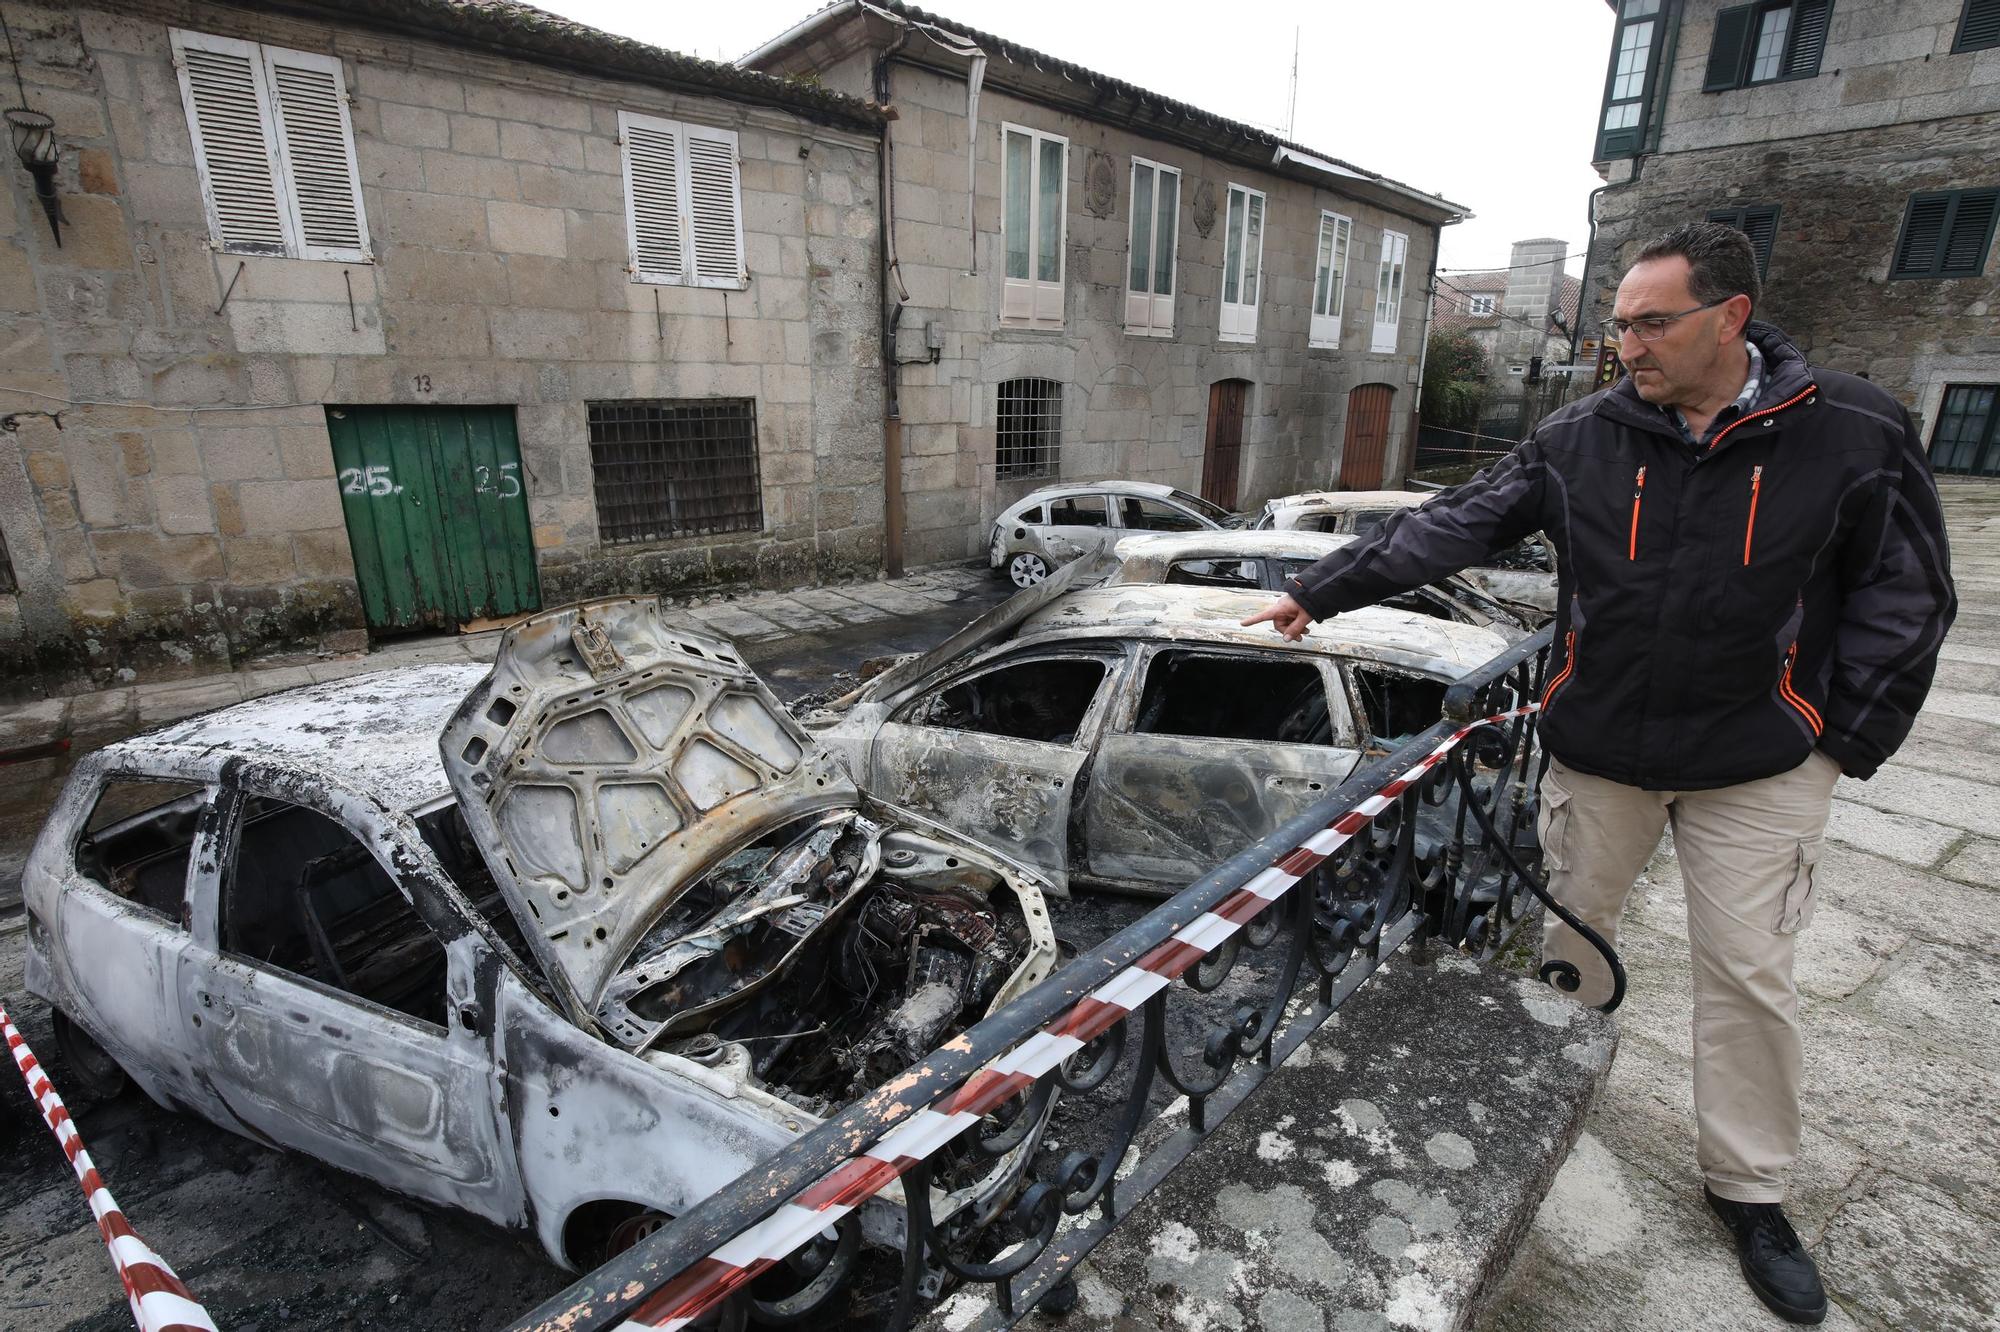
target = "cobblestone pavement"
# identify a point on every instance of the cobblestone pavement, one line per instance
(808, 634)
(1898, 1189)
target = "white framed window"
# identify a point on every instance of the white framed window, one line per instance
(1389, 291)
(1034, 194)
(1479, 305)
(683, 202)
(1242, 264)
(273, 147)
(1149, 271)
(1329, 279)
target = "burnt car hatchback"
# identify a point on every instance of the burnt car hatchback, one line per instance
(633, 934)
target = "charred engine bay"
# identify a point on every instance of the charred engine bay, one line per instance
(822, 958)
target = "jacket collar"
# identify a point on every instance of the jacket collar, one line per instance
(1786, 375)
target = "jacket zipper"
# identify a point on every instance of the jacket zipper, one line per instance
(1638, 493)
(1803, 393)
(1569, 664)
(1791, 695)
(1750, 528)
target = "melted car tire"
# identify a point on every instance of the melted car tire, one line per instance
(89, 1067)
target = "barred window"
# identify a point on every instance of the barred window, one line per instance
(665, 468)
(1027, 428)
(7, 583)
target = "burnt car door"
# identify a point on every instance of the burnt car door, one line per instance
(332, 1019)
(997, 749)
(1210, 749)
(127, 844)
(1077, 525)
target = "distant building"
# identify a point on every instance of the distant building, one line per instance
(1102, 282)
(1515, 314)
(1858, 145)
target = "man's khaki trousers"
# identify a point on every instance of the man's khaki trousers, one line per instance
(1747, 854)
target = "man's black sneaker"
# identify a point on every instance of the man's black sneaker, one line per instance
(1774, 1262)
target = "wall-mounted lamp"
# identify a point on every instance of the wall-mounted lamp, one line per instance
(34, 136)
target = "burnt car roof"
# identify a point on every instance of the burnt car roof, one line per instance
(376, 733)
(1214, 615)
(1143, 559)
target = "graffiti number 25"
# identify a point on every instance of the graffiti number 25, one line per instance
(368, 481)
(508, 482)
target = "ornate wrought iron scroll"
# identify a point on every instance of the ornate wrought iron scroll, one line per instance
(1111, 1072)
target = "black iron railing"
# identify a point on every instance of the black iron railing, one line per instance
(1449, 857)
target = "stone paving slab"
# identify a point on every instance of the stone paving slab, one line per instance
(1430, 1118)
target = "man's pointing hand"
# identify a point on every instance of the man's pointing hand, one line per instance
(1286, 616)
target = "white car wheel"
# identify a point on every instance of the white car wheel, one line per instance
(1027, 569)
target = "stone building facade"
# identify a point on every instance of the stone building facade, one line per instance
(1148, 384)
(174, 397)
(1515, 314)
(1858, 143)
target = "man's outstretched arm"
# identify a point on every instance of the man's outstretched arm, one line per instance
(1459, 528)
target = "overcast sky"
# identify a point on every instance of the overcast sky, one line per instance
(1490, 103)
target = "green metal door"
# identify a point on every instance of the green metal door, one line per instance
(436, 513)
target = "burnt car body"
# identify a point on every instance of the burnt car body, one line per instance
(1522, 577)
(1263, 560)
(634, 932)
(1048, 528)
(1134, 736)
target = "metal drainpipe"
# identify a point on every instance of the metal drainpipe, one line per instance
(892, 421)
(1590, 247)
(1423, 351)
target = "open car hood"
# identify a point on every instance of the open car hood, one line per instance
(609, 758)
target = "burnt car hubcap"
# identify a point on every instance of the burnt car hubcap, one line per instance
(1027, 570)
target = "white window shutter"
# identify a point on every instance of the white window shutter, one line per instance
(235, 148)
(653, 197)
(715, 207)
(316, 154)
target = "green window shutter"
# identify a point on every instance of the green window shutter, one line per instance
(1729, 51)
(1968, 233)
(1810, 19)
(1978, 26)
(1617, 143)
(1917, 249)
(1757, 221)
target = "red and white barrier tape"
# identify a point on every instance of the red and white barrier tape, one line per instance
(160, 1302)
(808, 1213)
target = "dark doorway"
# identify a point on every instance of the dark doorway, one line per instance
(1367, 444)
(1227, 399)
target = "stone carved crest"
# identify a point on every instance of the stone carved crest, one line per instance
(1100, 185)
(1202, 208)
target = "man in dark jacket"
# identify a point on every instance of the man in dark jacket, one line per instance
(1753, 586)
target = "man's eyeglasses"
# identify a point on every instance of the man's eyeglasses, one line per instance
(1654, 328)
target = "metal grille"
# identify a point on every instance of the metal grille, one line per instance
(666, 468)
(1027, 428)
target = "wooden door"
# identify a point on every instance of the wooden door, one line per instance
(436, 513)
(1367, 444)
(1227, 399)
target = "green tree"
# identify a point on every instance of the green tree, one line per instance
(1454, 382)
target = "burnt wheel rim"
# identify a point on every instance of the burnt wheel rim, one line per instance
(1027, 570)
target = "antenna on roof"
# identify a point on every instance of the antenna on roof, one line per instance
(1292, 111)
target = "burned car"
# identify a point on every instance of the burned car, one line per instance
(1049, 527)
(1264, 560)
(568, 944)
(1523, 575)
(1135, 736)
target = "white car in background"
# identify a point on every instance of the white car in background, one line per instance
(1049, 527)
